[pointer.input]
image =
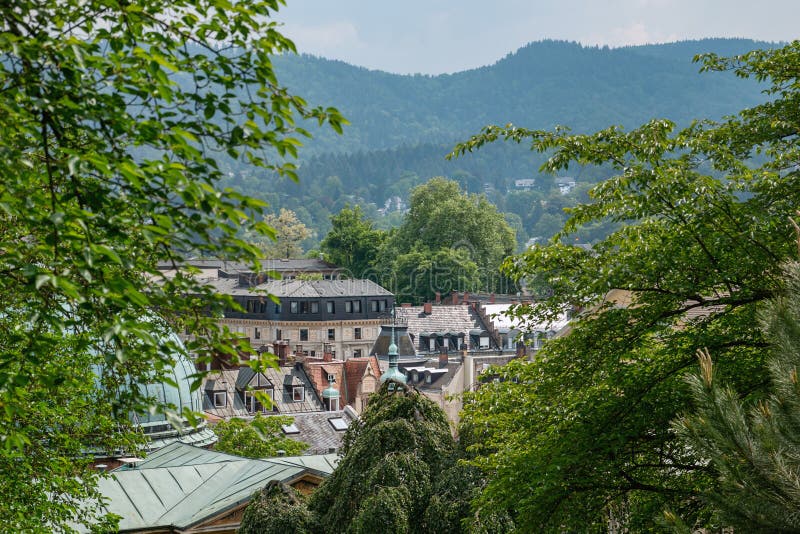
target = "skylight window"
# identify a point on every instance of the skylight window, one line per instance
(338, 423)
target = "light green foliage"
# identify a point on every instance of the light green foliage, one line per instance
(260, 438)
(753, 448)
(352, 243)
(107, 169)
(446, 239)
(581, 436)
(278, 509)
(289, 233)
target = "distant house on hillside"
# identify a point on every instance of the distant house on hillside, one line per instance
(525, 184)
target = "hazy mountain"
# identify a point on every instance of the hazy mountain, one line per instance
(538, 86)
(402, 125)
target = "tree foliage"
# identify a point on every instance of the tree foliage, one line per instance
(399, 472)
(277, 509)
(753, 448)
(449, 240)
(260, 438)
(108, 168)
(289, 233)
(353, 242)
(585, 427)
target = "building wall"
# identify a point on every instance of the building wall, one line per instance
(344, 345)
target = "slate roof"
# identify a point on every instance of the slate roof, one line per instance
(181, 486)
(316, 430)
(439, 376)
(302, 264)
(458, 319)
(323, 288)
(496, 312)
(282, 379)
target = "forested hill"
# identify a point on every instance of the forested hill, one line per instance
(540, 85)
(402, 126)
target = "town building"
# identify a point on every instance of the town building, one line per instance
(187, 489)
(340, 317)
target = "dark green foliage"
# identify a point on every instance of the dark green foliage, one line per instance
(449, 240)
(278, 509)
(585, 427)
(754, 449)
(395, 461)
(352, 243)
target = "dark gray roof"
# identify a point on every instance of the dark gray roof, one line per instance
(282, 379)
(454, 319)
(316, 430)
(301, 264)
(323, 288)
(301, 288)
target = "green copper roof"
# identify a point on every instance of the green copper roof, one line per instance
(330, 392)
(181, 486)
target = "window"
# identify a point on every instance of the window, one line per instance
(315, 307)
(333, 405)
(330, 306)
(298, 393)
(357, 333)
(382, 305)
(252, 403)
(428, 379)
(277, 308)
(331, 377)
(331, 334)
(278, 334)
(293, 307)
(373, 305)
(357, 353)
(304, 334)
(348, 306)
(220, 399)
(356, 306)
(257, 333)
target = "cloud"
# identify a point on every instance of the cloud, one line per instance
(636, 33)
(322, 38)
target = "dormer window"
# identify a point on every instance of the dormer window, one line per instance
(220, 399)
(252, 403)
(298, 393)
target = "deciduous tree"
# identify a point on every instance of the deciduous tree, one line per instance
(109, 169)
(353, 242)
(260, 438)
(581, 435)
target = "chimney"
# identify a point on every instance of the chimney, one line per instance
(427, 308)
(454, 297)
(405, 305)
(438, 298)
(281, 351)
(466, 297)
(443, 359)
(491, 298)
(327, 356)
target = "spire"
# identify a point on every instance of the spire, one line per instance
(393, 372)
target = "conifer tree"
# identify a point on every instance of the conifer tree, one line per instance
(754, 449)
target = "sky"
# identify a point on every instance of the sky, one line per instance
(445, 36)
